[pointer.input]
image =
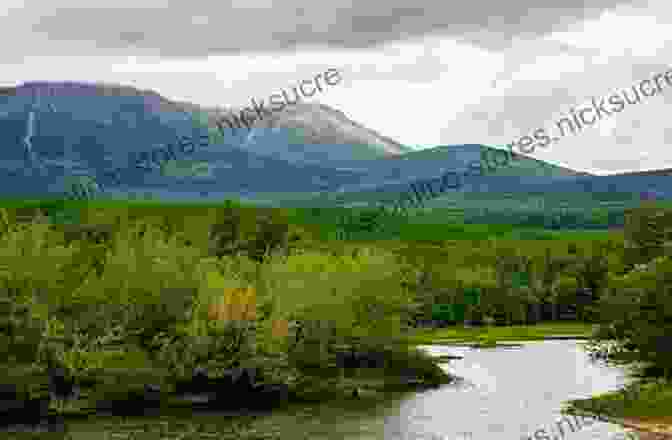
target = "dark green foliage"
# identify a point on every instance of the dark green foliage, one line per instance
(253, 232)
(226, 232)
(448, 312)
(106, 311)
(641, 326)
(557, 219)
(148, 320)
(155, 320)
(637, 311)
(592, 271)
(401, 362)
(647, 230)
(20, 333)
(354, 224)
(95, 234)
(272, 230)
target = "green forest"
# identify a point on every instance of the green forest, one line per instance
(117, 294)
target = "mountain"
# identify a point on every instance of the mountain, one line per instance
(54, 130)
(317, 133)
(53, 133)
(664, 172)
(505, 188)
(388, 177)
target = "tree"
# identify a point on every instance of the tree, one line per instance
(357, 300)
(637, 312)
(591, 272)
(512, 275)
(647, 231)
(361, 223)
(225, 233)
(272, 231)
(552, 268)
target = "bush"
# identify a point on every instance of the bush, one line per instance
(647, 230)
(248, 231)
(138, 300)
(353, 299)
(637, 313)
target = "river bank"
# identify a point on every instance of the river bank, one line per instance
(498, 394)
(565, 330)
(645, 406)
(200, 422)
(645, 429)
(235, 393)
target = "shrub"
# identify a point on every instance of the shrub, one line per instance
(637, 312)
(141, 297)
(648, 230)
(250, 231)
(353, 299)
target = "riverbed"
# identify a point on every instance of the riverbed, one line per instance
(501, 393)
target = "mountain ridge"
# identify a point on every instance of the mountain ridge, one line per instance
(54, 132)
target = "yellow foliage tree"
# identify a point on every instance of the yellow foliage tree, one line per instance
(236, 304)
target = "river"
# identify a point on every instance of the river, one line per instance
(502, 393)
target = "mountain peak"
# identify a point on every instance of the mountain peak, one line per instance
(315, 132)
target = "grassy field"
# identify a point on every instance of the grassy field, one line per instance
(512, 333)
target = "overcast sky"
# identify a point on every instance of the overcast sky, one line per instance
(426, 72)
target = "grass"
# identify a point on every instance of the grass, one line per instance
(643, 402)
(460, 334)
(486, 341)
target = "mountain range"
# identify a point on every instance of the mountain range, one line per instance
(308, 154)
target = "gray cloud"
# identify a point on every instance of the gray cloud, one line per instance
(201, 27)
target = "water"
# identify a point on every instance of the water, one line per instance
(506, 393)
(511, 393)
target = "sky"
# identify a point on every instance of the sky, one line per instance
(424, 73)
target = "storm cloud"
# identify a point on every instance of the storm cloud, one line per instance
(199, 28)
